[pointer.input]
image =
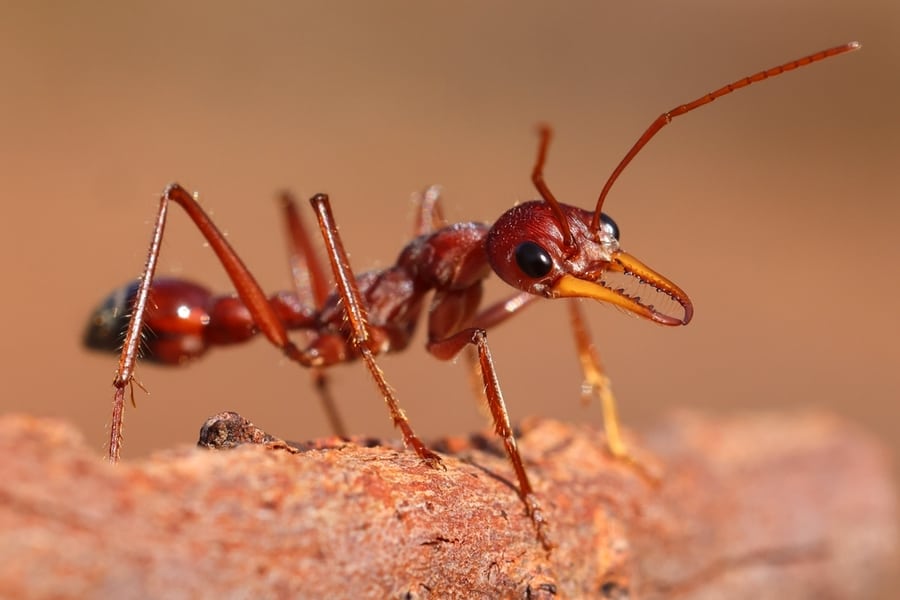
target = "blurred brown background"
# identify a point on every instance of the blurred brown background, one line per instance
(775, 208)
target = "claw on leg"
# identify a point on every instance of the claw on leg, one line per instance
(541, 526)
(431, 459)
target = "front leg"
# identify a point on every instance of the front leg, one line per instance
(449, 347)
(596, 382)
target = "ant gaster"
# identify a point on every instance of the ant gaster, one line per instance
(543, 248)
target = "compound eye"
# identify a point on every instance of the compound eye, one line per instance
(533, 260)
(609, 226)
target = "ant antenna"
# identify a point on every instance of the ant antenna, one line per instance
(665, 118)
(537, 177)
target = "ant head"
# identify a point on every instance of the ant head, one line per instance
(555, 250)
(527, 248)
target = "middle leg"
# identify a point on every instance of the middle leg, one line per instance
(357, 325)
(449, 347)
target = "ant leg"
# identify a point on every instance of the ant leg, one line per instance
(311, 285)
(447, 348)
(596, 382)
(595, 379)
(486, 319)
(245, 284)
(307, 272)
(500, 311)
(429, 217)
(131, 346)
(360, 338)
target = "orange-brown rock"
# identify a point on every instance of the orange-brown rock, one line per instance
(788, 506)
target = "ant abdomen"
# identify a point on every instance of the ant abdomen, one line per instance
(183, 320)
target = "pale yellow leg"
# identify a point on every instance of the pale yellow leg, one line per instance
(596, 382)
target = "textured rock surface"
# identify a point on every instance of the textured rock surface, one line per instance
(798, 506)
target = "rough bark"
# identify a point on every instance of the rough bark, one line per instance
(789, 506)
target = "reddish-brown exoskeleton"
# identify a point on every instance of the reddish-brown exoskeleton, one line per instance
(543, 249)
